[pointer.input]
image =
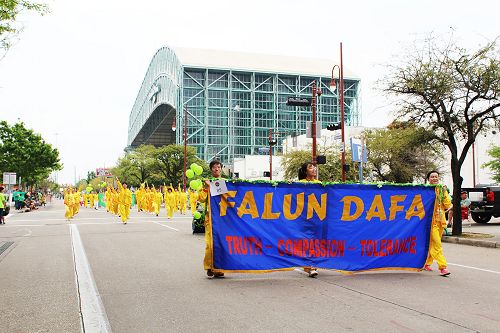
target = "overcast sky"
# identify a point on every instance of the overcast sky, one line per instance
(74, 74)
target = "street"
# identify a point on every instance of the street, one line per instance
(150, 278)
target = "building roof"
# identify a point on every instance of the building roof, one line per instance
(265, 63)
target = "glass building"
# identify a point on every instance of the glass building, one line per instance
(232, 100)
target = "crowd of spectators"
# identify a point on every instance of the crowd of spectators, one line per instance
(27, 201)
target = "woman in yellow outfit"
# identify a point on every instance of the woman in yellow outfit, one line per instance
(139, 194)
(442, 204)
(170, 202)
(307, 174)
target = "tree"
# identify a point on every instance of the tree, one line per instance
(26, 153)
(452, 92)
(170, 163)
(401, 153)
(9, 27)
(137, 166)
(494, 164)
(90, 175)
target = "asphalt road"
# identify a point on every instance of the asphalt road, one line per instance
(148, 276)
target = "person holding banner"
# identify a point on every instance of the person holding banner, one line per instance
(307, 174)
(216, 170)
(443, 204)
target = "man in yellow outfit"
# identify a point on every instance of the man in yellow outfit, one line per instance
(193, 199)
(76, 202)
(208, 261)
(439, 222)
(91, 199)
(124, 201)
(183, 202)
(68, 202)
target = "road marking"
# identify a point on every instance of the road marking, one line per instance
(476, 268)
(93, 315)
(166, 226)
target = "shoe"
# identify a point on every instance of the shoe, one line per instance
(444, 272)
(218, 275)
(427, 268)
(210, 273)
(313, 273)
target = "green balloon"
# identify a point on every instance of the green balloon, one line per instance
(194, 166)
(197, 215)
(189, 173)
(199, 170)
(193, 184)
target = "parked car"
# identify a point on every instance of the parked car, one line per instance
(484, 206)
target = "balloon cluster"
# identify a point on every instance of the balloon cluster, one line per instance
(103, 184)
(195, 170)
(89, 189)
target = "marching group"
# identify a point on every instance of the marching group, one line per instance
(149, 199)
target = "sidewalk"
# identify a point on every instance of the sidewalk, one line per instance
(478, 234)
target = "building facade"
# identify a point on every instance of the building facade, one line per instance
(229, 101)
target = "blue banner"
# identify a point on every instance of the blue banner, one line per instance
(347, 227)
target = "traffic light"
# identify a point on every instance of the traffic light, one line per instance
(333, 127)
(273, 142)
(321, 159)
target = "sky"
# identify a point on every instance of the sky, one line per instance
(74, 73)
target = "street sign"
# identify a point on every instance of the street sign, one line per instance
(298, 101)
(358, 150)
(309, 129)
(9, 178)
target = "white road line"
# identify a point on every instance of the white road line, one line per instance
(94, 318)
(476, 268)
(166, 226)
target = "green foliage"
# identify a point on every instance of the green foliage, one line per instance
(170, 163)
(137, 166)
(10, 28)
(451, 91)
(26, 153)
(90, 175)
(402, 153)
(494, 164)
(148, 164)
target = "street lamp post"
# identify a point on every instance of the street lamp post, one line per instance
(184, 135)
(341, 101)
(315, 92)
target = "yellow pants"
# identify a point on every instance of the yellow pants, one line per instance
(208, 260)
(170, 211)
(183, 208)
(124, 211)
(435, 247)
(68, 212)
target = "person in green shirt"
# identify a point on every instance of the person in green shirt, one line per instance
(3, 204)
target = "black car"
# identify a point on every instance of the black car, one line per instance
(481, 209)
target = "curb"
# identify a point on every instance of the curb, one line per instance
(472, 242)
